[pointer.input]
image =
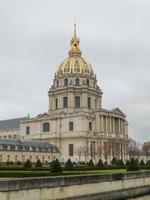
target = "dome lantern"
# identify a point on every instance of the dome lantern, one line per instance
(75, 50)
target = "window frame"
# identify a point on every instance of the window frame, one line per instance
(89, 102)
(71, 149)
(28, 130)
(65, 82)
(77, 82)
(87, 82)
(77, 102)
(71, 126)
(65, 104)
(90, 126)
(46, 127)
(56, 103)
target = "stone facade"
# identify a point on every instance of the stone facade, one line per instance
(76, 122)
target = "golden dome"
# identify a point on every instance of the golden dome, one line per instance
(75, 63)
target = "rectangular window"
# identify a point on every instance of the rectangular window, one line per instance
(89, 102)
(90, 126)
(70, 126)
(56, 103)
(8, 157)
(77, 102)
(65, 102)
(27, 130)
(70, 149)
(1, 158)
(16, 158)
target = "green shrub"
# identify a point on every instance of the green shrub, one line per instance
(105, 163)
(137, 161)
(114, 161)
(27, 164)
(142, 163)
(38, 163)
(56, 167)
(127, 162)
(120, 163)
(90, 163)
(100, 164)
(133, 165)
(69, 165)
(18, 163)
(148, 163)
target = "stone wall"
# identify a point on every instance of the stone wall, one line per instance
(105, 186)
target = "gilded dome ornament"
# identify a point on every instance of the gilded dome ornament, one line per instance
(75, 64)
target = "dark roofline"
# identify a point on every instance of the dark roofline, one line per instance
(11, 124)
(14, 119)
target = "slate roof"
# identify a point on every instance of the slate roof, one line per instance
(23, 144)
(11, 124)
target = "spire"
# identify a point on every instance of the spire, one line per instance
(75, 50)
(75, 32)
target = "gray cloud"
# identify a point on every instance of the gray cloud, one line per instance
(115, 39)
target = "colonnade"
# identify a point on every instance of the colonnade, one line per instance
(110, 124)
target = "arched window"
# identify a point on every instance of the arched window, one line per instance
(65, 82)
(57, 83)
(77, 81)
(46, 127)
(87, 82)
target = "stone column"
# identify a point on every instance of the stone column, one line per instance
(102, 147)
(71, 102)
(113, 125)
(102, 124)
(106, 124)
(60, 101)
(110, 126)
(119, 124)
(50, 102)
(123, 127)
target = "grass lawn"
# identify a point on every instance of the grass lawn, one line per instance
(24, 173)
(31, 173)
(110, 171)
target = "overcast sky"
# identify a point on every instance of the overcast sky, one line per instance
(115, 38)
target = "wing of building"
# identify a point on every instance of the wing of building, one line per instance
(76, 122)
(14, 150)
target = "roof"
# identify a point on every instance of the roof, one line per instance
(24, 144)
(11, 124)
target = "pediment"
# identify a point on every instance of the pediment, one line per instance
(41, 116)
(118, 111)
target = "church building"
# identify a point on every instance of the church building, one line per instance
(76, 122)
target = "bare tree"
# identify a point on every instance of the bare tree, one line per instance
(134, 148)
(146, 148)
(82, 151)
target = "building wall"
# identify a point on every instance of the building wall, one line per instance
(10, 134)
(22, 156)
